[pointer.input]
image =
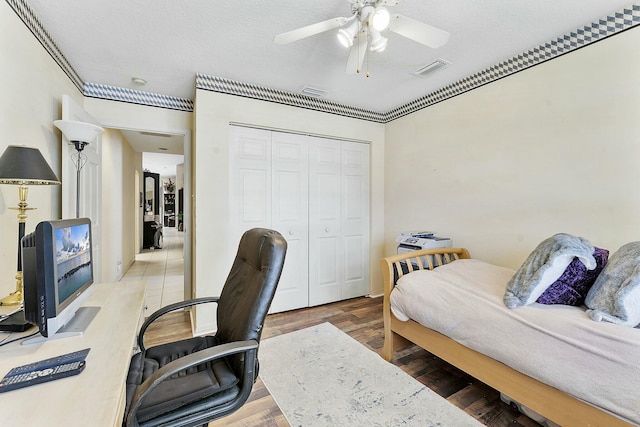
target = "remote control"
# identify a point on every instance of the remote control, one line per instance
(42, 376)
(76, 356)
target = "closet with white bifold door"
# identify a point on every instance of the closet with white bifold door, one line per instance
(315, 192)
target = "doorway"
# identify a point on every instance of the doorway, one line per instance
(167, 155)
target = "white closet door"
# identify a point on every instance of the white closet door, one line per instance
(355, 219)
(315, 192)
(268, 188)
(338, 220)
(325, 226)
(290, 216)
(250, 182)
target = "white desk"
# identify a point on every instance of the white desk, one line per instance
(96, 396)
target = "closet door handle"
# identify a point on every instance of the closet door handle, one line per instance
(326, 230)
(291, 233)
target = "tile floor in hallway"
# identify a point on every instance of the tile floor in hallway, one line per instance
(163, 269)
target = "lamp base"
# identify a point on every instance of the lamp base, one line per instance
(15, 297)
(15, 323)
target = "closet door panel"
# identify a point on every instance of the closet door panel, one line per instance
(292, 289)
(354, 263)
(325, 225)
(355, 218)
(290, 216)
(328, 274)
(249, 182)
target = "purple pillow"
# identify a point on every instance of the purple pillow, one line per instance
(572, 287)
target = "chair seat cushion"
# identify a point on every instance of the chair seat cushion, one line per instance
(181, 389)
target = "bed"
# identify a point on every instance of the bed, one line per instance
(515, 375)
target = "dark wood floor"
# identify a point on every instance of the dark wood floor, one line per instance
(361, 318)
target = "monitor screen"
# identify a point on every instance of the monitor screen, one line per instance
(73, 259)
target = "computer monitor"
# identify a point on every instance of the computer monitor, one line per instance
(57, 269)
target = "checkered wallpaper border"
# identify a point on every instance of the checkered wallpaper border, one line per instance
(218, 84)
(151, 99)
(605, 27)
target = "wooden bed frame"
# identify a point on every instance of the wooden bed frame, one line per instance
(548, 401)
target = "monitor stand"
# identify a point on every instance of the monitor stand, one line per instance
(75, 327)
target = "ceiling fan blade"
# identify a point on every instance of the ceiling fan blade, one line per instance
(357, 53)
(418, 31)
(309, 30)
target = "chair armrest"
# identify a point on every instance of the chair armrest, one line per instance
(167, 309)
(193, 359)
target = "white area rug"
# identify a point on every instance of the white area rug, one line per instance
(320, 376)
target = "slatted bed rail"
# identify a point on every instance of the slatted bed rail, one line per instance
(427, 259)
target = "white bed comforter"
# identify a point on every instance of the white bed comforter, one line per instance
(559, 345)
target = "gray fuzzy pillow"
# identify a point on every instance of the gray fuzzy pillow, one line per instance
(615, 296)
(545, 265)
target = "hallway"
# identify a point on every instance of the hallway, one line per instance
(163, 269)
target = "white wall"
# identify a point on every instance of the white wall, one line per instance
(555, 148)
(112, 197)
(32, 86)
(213, 113)
(179, 178)
(131, 163)
(121, 115)
(119, 204)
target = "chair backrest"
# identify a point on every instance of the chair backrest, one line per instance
(250, 286)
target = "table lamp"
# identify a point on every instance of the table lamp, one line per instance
(23, 166)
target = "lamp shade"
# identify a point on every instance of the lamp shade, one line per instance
(22, 165)
(78, 131)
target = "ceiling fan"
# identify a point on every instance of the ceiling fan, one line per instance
(364, 29)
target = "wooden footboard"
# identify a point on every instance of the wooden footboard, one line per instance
(396, 266)
(550, 402)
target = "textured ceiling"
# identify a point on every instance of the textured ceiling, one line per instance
(166, 42)
(162, 152)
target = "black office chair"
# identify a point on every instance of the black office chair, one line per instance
(194, 381)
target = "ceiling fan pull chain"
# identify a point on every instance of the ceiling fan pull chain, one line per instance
(367, 57)
(359, 52)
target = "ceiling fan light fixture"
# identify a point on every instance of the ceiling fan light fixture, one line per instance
(346, 35)
(344, 38)
(380, 19)
(378, 42)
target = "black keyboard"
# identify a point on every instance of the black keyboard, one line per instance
(37, 377)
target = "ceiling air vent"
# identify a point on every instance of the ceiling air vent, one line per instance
(430, 68)
(313, 92)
